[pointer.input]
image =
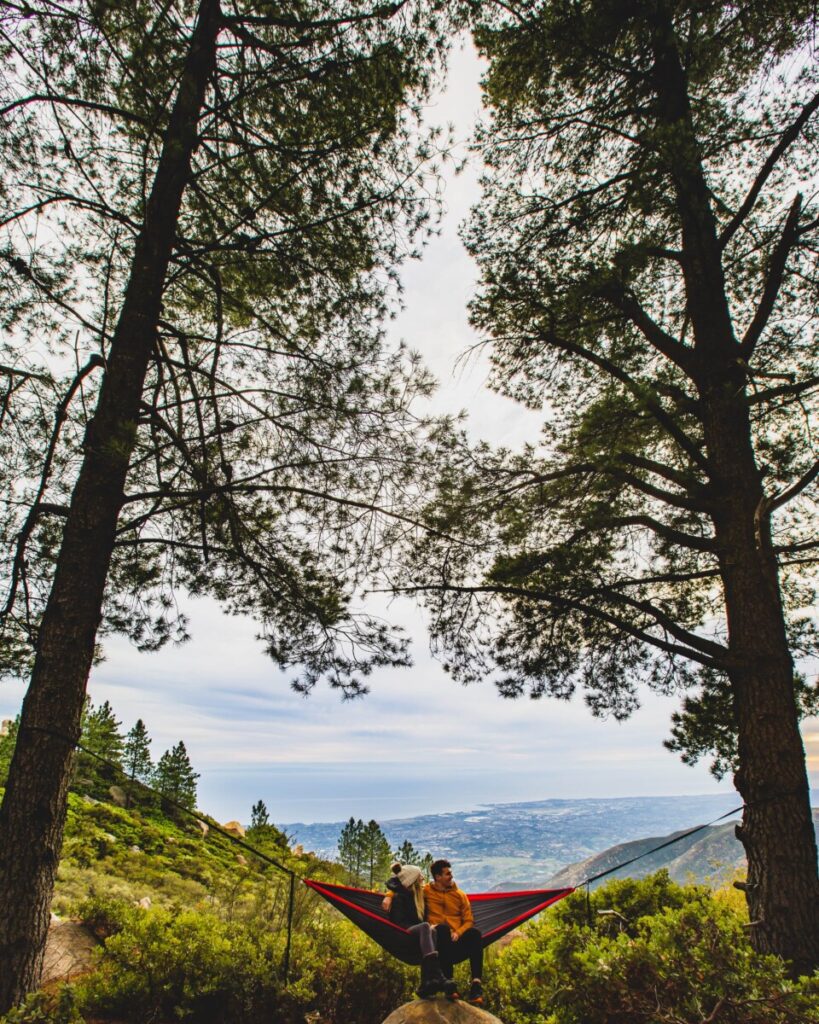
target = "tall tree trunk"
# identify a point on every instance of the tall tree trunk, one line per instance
(33, 810)
(777, 830)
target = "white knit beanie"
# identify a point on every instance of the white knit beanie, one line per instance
(409, 875)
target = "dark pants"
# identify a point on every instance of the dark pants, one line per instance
(469, 945)
(426, 937)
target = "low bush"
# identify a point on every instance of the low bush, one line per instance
(197, 967)
(670, 955)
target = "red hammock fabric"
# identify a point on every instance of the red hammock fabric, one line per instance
(496, 913)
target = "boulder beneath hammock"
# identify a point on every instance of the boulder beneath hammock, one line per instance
(436, 1011)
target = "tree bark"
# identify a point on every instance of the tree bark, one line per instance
(32, 815)
(777, 829)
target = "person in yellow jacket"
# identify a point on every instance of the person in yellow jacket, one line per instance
(448, 910)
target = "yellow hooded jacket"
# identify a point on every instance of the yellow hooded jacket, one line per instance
(448, 906)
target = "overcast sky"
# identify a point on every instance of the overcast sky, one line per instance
(418, 742)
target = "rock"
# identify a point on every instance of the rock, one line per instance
(109, 837)
(135, 849)
(69, 951)
(440, 1011)
(234, 828)
(86, 799)
(298, 850)
(203, 825)
(241, 859)
(144, 903)
(118, 796)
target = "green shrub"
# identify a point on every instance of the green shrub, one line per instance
(46, 1008)
(686, 963)
(196, 967)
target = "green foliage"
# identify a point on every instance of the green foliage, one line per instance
(376, 854)
(624, 146)
(130, 853)
(272, 398)
(683, 958)
(197, 967)
(59, 1007)
(259, 817)
(101, 736)
(364, 852)
(707, 725)
(7, 744)
(351, 849)
(407, 854)
(136, 754)
(262, 832)
(175, 778)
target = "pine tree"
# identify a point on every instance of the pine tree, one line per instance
(259, 818)
(376, 853)
(175, 777)
(351, 849)
(101, 736)
(408, 854)
(647, 242)
(233, 188)
(136, 757)
(262, 830)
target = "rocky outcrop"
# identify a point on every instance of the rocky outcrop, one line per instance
(69, 951)
(440, 1011)
(118, 796)
(234, 828)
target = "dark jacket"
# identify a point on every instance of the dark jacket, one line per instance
(402, 909)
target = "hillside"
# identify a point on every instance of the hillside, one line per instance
(178, 923)
(712, 857)
(136, 853)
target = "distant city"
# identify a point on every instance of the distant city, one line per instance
(528, 843)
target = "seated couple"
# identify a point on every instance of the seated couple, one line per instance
(440, 916)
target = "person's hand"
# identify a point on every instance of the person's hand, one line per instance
(455, 936)
(386, 903)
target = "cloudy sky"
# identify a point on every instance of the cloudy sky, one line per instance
(418, 742)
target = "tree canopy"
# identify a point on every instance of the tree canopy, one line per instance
(271, 406)
(647, 246)
(203, 210)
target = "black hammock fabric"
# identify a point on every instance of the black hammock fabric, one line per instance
(495, 913)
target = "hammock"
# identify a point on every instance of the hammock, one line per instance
(495, 913)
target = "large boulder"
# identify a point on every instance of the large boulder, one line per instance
(438, 1010)
(118, 796)
(69, 951)
(234, 828)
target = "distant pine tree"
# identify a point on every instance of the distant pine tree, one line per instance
(100, 736)
(259, 817)
(376, 853)
(175, 778)
(136, 757)
(407, 854)
(262, 830)
(351, 849)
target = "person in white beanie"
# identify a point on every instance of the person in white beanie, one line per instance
(405, 905)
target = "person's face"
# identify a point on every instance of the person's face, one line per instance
(445, 878)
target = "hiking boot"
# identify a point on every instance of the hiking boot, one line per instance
(451, 989)
(432, 978)
(475, 996)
